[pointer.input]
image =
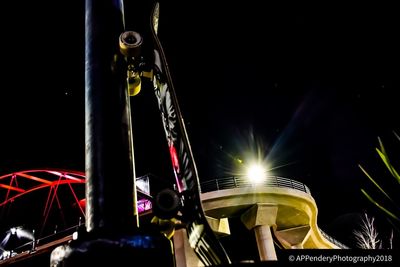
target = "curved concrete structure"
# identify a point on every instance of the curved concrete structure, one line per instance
(281, 213)
(294, 222)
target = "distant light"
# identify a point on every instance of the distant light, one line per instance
(256, 173)
(13, 230)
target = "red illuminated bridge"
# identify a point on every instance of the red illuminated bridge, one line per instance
(48, 202)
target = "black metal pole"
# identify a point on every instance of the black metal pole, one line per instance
(109, 164)
(111, 233)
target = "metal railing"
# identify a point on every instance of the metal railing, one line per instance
(242, 181)
(333, 240)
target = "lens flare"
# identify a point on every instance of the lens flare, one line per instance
(256, 173)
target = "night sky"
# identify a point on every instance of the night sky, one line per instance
(309, 88)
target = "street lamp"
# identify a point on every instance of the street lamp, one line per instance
(256, 173)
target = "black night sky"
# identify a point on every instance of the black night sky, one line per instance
(308, 87)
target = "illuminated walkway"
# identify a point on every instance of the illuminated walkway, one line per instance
(281, 212)
(278, 207)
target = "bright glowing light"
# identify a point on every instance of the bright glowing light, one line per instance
(256, 173)
(13, 230)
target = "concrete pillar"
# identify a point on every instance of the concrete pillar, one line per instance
(265, 243)
(260, 218)
(184, 254)
(294, 237)
(219, 226)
